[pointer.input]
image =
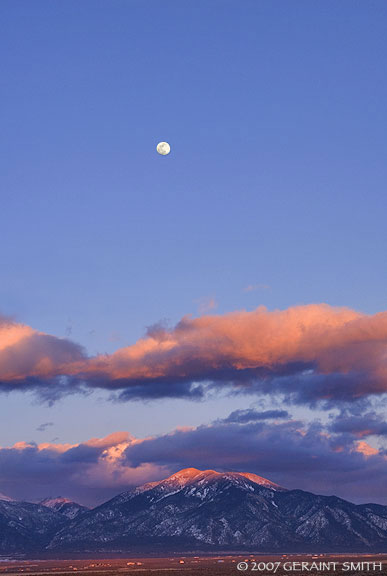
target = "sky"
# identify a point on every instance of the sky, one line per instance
(144, 300)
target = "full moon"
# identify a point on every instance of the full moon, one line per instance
(163, 148)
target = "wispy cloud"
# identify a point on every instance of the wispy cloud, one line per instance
(256, 287)
(252, 415)
(43, 427)
(206, 305)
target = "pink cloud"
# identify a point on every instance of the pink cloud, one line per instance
(365, 449)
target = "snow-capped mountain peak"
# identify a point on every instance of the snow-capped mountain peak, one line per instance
(63, 506)
(193, 476)
(185, 475)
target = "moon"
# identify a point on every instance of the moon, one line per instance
(163, 148)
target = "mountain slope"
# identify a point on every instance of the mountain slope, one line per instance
(206, 510)
(26, 527)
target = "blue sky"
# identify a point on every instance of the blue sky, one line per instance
(274, 193)
(275, 114)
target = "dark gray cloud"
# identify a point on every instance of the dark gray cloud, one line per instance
(43, 427)
(288, 453)
(359, 425)
(252, 415)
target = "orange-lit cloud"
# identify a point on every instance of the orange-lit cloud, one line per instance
(365, 449)
(315, 351)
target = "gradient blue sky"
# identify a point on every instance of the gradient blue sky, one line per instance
(276, 115)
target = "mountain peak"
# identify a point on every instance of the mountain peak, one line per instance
(4, 497)
(185, 474)
(189, 476)
(64, 506)
(51, 502)
(181, 478)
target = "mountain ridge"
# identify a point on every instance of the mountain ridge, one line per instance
(208, 510)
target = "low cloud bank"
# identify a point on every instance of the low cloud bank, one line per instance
(289, 452)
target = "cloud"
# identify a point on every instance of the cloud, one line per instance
(255, 287)
(33, 360)
(288, 452)
(252, 415)
(359, 425)
(89, 472)
(43, 427)
(309, 354)
(205, 305)
(365, 449)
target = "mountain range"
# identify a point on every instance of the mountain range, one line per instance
(195, 510)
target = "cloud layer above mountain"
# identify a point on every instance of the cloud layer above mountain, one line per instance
(288, 452)
(88, 472)
(308, 353)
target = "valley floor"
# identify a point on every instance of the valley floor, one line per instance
(292, 564)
